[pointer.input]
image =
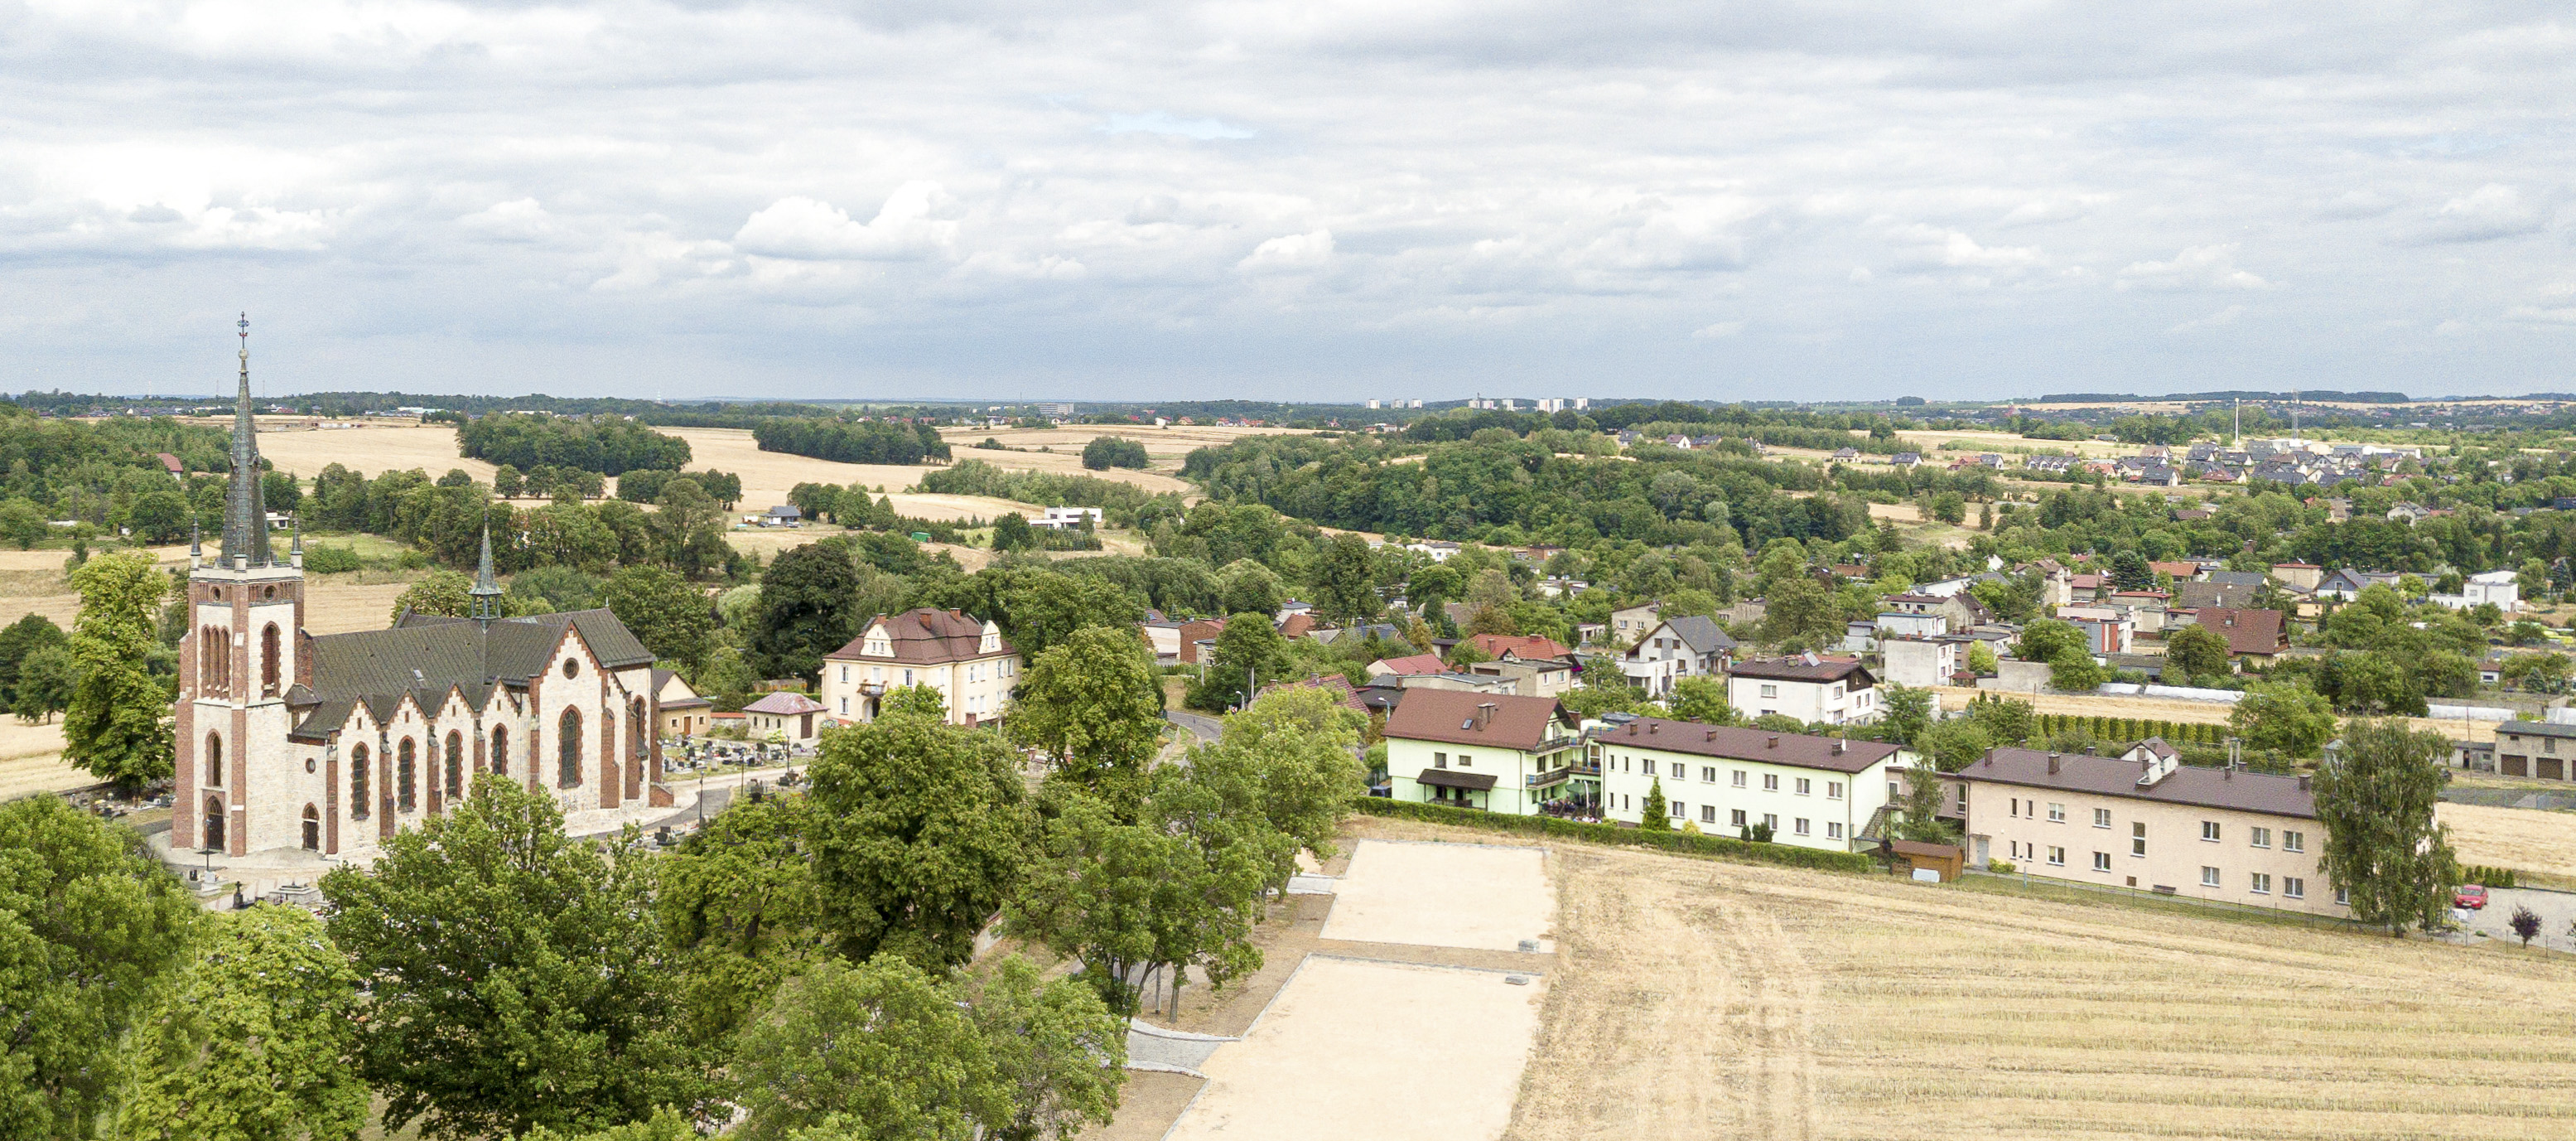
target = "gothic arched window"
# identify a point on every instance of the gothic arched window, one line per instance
(405, 768)
(568, 748)
(358, 786)
(455, 764)
(500, 750)
(268, 661)
(214, 760)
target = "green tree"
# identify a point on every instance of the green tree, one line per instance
(2194, 652)
(1093, 705)
(1920, 819)
(2075, 673)
(2375, 799)
(917, 700)
(739, 906)
(1981, 659)
(517, 978)
(21, 523)
(1346, 579)
(1245, 586)
(2048, 639)
(2006, 720)
(690, 527)
(919, 835)
(1107, 894)
(1248, 649)
(2286, 717)
(2538, 673)
(1011, 533)
(1105, 452)
(160, 516)
(47, 681)
(2129, 570)
(1800, 611)
(807, 609)
(552, 588)
(21, 638)
(117, 725)
(439, 592)
(1703, 699)
(1057, 1051)
(1908, 711)
(669, 616)
(1952, 745)
(1656, 816)
(1293, 749)
(89, 924)
(254, 1040)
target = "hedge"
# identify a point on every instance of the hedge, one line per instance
(1682, 843)
(2127, 729)
(2487, 877)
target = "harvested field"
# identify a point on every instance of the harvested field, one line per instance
(2523, 839)
(1478, 896)
(31, 760)
(1364, 1050)
(767, 476)
(366, 450)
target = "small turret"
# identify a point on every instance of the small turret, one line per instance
(487, 589)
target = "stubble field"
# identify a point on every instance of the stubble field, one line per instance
(1700, 999)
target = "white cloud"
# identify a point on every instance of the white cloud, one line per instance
(517, 220)
(2489, 212)
(2220, 319)
(1718, 331)
(915, 222)
(1931, 248)
(2196, 267)
(1161, 123)
(1289, 251)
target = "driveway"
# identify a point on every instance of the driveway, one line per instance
(2557, 909)
(1202, 726)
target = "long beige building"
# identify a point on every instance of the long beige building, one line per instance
(2145, 821)
(967, 661)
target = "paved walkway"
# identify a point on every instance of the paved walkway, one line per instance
(1151, 1047)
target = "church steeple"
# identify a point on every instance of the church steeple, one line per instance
(245, 511)
(487, 590)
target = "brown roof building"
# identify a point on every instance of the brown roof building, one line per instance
(2256, 632)
(958, 656)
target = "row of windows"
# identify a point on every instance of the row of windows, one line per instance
(2210, 830)
(1737, 778)
(568, 748)
(1798, 826)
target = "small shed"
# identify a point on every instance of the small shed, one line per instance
(1944, 860)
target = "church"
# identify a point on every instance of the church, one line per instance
(332, 743)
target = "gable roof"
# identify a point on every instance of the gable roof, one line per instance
(1700, 632)
(1518, 646)
(1461, 717)
(427, 656)
(923, 636)
(1832, 754)
(2111, 776)
(1410, 664)
(2246, 631)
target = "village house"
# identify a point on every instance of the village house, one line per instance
(1925, 661)
(1629, 623)
(1496, 752)
(1832, 690)
(1689, 646)
(2145, 821)
(964, 660)
(2536, 749)
(789, 716)
(682, 712)
(1811, 792)
(2256, 634)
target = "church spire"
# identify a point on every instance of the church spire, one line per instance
(487, 590)
(245, 513)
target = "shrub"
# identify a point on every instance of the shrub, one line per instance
(1105, 452)
(1680, 843)
(331, 560)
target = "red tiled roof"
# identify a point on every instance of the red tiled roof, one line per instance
(784, 705)
(1411, 664)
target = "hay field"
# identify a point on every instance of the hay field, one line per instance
(1697, 999)
(2524, 839)
(366, 450)
(31, 760)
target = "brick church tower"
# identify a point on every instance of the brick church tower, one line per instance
(239, 658)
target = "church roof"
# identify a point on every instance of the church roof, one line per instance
(426, 655)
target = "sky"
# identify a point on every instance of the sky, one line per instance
(1319, 201)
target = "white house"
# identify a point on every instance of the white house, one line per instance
(1924, 661)
(1813, 792)
(1809, 688)
(1688, 646)
(2501, 587)
(966, 661)
(1497, 752)
(1067, 518)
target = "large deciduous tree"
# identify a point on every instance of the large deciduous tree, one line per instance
(668, 615)
(118, 724)
(253, 1040)
(807, 609)
(2194, 652)
(1094, 706)
(518, 977)
(88, 924)
(740, 909)
(1248, 649)
(438, 592)
(2383, 847)
(920, 830)
(1346, 579)
(2285, 716)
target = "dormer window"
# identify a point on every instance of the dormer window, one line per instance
(878, 648)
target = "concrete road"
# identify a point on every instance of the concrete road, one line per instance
(1202, 726)
(2557, 910)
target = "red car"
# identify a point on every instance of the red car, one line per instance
(2470, 896)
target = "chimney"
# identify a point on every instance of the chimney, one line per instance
(2054, 764)
(1771, 742)
(1839, 743)
(1485, 714)
(2088, 750)
(2228, 773)
(1712, 735)
(2303, 782)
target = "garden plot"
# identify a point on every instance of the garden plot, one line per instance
(1373, 1051)
(1476, 896)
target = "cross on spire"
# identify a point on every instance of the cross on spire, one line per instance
(245, 510)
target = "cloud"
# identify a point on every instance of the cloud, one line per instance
(517, 220)
(1927, 248)
(2356, 204)
(1288, 252)
(2195, 268)
(1162, 123)
(2220, 319)
(2556, 306)
(914, 223)
(1718, 331)
(2491, 211)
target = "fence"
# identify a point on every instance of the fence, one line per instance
(1683, 843)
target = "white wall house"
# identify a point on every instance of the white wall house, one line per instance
(1809, 688)
(1690, 646)
(1813, 792)
(966, 661)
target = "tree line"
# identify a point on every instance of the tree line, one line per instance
(852, 441)
(609, 445)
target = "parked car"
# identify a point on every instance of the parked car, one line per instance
(2471, 896)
